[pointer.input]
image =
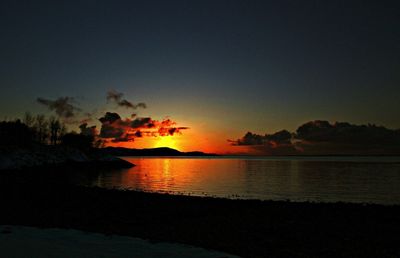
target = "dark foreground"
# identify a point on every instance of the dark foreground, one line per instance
(245, 228)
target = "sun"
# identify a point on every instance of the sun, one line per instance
(166, 141)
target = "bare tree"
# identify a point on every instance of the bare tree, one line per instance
(55, 127)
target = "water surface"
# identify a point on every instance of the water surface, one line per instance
(321, 179)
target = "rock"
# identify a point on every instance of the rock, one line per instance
(37, 156)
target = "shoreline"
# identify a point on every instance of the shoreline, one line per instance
(45, 157)
(247, 228)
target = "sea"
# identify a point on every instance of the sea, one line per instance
(315, 179)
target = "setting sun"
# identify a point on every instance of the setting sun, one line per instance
(166, 141)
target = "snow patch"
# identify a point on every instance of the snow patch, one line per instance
(24, 242)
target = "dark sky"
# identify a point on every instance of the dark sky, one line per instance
(226, 66)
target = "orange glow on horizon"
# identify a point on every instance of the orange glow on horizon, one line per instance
(188, 141)
(166, 141)
(197, 138)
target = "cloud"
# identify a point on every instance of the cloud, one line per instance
(116, 129)
(114, 96)
(113, 127)
(341, 132)
(278, 138)
(62, 106)
(278, 143)
(109, 117)
(142, 122)
(117, 97)
(89, 131)
(165, 131)
(324, 138)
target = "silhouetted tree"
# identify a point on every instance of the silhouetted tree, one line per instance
(63, 131)
(55, 127)
(41, 128)
(15, 133)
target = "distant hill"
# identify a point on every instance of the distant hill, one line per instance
(164, 151)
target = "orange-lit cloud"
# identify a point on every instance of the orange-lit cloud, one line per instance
(115, 129)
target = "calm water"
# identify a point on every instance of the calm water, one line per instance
(325, 179)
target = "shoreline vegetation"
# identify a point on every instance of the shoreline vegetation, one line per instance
(248, 228)
(41, 142)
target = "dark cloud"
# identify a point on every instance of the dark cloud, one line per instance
(89, 131)
(116, 129)
(110, 117)
(278, 143)
(141, 122)
(323, 138)
(339, 132)
(114, 96)
(127, 104)
(110, 126)
(111, 131)
(117, 97)
(278, 138)
(113, 127)
(248, 139)
(281, 137)
(166, 131)
(62, 106)
(138, 134)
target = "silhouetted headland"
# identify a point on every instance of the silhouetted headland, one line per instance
(56, 156)
(45, 145)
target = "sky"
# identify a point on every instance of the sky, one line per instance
(220, 68)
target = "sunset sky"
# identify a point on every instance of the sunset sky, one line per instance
(220, 68)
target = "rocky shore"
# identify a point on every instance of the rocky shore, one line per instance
(39, 156)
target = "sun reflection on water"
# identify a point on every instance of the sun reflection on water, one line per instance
(261, 179)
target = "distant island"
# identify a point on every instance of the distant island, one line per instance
(163, 151)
